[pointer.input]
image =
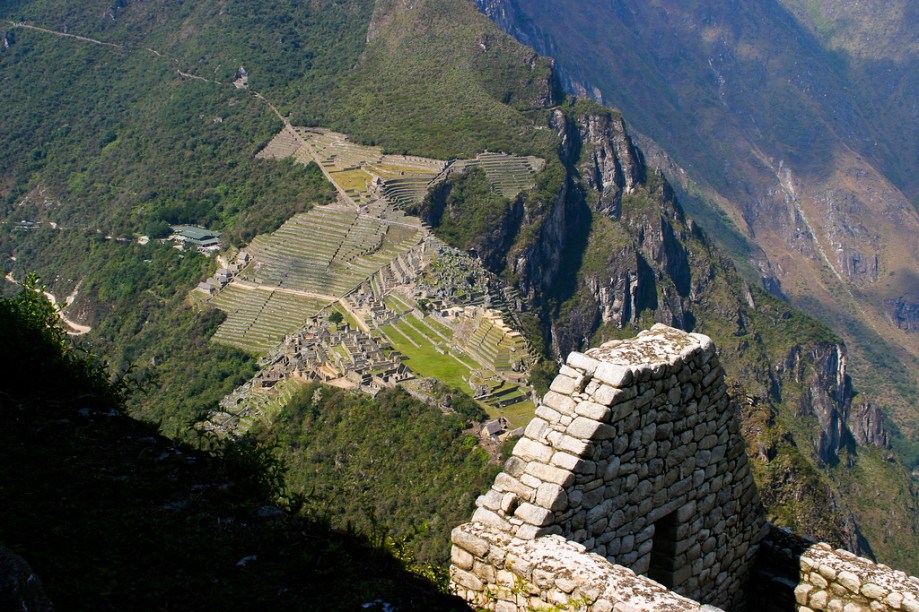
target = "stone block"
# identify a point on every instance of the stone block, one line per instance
(561, 403)
(565, 385)
(574, 498)
(490, 519)
(461, 558)
(536, 429)
(515, 466)
(552, 497)
(466, 579)
(614, 375)
(589, 429)
(548, 473)
(530, 449)
(548, 414)
(582, 362)
(708, 442)
(686, 512)
(467, 541)
(567, 461)
(491, 500)
(566, 443)
(530, 481)
(507, 483)
(534, 515)
(680, 487)
(593, 410)
(849, 580)
(608, 396)
(873, 591)
(712, 376)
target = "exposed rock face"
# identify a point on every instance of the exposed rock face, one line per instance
(867, 424)
(608, 168)
(904, 313)
(612, 166)
(829, 396)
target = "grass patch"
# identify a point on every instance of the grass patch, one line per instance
(425, 360)
(518, 414)
(351, 179)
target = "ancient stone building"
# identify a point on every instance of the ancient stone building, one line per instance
(631, 490)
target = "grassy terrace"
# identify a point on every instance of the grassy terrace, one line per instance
(508, 174)
(518, 414)
(424, 359)
(265, 405)
(327, 251)
(257, 319)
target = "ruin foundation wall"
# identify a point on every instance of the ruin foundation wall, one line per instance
(631, 491)
(635, 456)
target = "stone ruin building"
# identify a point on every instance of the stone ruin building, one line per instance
(631, 490)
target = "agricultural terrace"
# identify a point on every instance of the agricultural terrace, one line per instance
(508, 174)
(364, 174)
(358, 169)
(473, 351)
(249, 406)
(258, 318)
(311, 261)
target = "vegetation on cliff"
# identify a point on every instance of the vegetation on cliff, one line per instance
(386, 467)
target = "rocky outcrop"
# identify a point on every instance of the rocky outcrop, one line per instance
(904, 313)
(611, 166)
(867, 424)
(828, 395)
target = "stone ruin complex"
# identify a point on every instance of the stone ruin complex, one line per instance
(631, 490)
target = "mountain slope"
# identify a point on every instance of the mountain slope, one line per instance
(596, 249)
(792, 134)
(113, 516)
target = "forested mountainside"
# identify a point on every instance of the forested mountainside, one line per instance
(782, 125)
(138, 124)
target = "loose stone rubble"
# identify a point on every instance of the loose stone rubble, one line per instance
(838, 580)
(635, 456)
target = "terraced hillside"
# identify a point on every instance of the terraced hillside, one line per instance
(308, 263)
(358, 170)
(507, 173)
(258, 317)
(496, 343)
(365, 175)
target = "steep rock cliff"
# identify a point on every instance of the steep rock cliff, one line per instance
(827, 394)
(614, 253)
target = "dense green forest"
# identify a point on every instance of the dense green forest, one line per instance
(384, 466)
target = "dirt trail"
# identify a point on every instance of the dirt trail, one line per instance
(76, 329)
(22, 24)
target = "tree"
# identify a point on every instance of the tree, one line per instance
(336, 317)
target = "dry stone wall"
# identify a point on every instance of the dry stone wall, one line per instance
(497, 571)
(636, 458)
(839, 581)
